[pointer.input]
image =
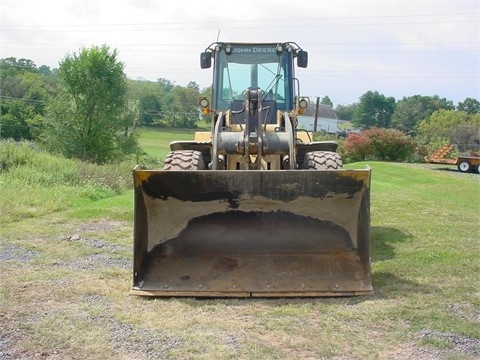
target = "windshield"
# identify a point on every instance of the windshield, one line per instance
(253, 66)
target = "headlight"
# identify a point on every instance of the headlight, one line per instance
(203, 102)
(302, 103)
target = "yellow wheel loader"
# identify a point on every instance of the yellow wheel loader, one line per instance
(254, 208)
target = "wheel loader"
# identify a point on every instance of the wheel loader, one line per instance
(254, 207)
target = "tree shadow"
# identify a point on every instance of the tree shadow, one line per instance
(387, 284)
(391, 286)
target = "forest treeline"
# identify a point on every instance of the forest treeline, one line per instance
(87, 107)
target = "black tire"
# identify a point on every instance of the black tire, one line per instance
(322, 160)
(464, 166)
(184, 160)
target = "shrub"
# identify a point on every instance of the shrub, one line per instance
(379, 144)
(391, 144)
(357, 147)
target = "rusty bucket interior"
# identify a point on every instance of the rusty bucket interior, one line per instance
(252, 233)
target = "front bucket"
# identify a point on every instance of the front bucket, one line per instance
(252, 233)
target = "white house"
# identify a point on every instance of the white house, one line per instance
(327, 120)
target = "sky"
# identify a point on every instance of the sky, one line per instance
(398, 48)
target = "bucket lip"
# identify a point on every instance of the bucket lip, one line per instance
(136, 291)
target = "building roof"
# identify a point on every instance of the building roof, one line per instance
(327, 119)
(324, 111)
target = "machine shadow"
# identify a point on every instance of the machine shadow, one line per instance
(383, 240)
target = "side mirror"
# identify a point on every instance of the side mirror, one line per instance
(205, 60)
(302, 59)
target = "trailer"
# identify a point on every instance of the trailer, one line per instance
(464, 164)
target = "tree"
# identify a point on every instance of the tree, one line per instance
(470, 106)
(185, 107)
(150, 109)
(411, 110)
(86, 118)
(455, 127)
(24, 93)
(149, 98)
(345, 112)
(326, 101)
(193, 85)
(12, 66)
(374, 109)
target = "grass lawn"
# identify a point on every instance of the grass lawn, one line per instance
(66, 272)
(155, 141)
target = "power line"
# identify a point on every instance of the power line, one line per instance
(22, 99)
(233, 21)
(323, 51)
(238, 24)
(229, 27)
(304, 44)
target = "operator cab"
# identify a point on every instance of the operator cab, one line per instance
(253, 77)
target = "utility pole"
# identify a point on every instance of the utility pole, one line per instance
(317, 108)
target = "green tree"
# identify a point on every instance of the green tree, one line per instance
(411, 110)
(13, 66)
(470, 106)
(25, 91)
(455, 127)
(345, 112)
(326, 101)
(150, 109)
(87, 116)
(148, 96)
(193, 85)
(162, 103)
(185, 108)
(374, 109)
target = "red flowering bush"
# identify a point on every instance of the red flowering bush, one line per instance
(379, 144)
(357, 147)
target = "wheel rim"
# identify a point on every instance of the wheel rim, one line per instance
(464, 166)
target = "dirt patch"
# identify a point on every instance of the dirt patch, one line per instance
(132, 341)
(5, 354)
(102, 244)
(98, 260)
(101, 226)
(153, 344)
(10, 252)
(412, 351)
(455, 344)
(458, 343)
(109, 254)
(465, 311)
(98, 226)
